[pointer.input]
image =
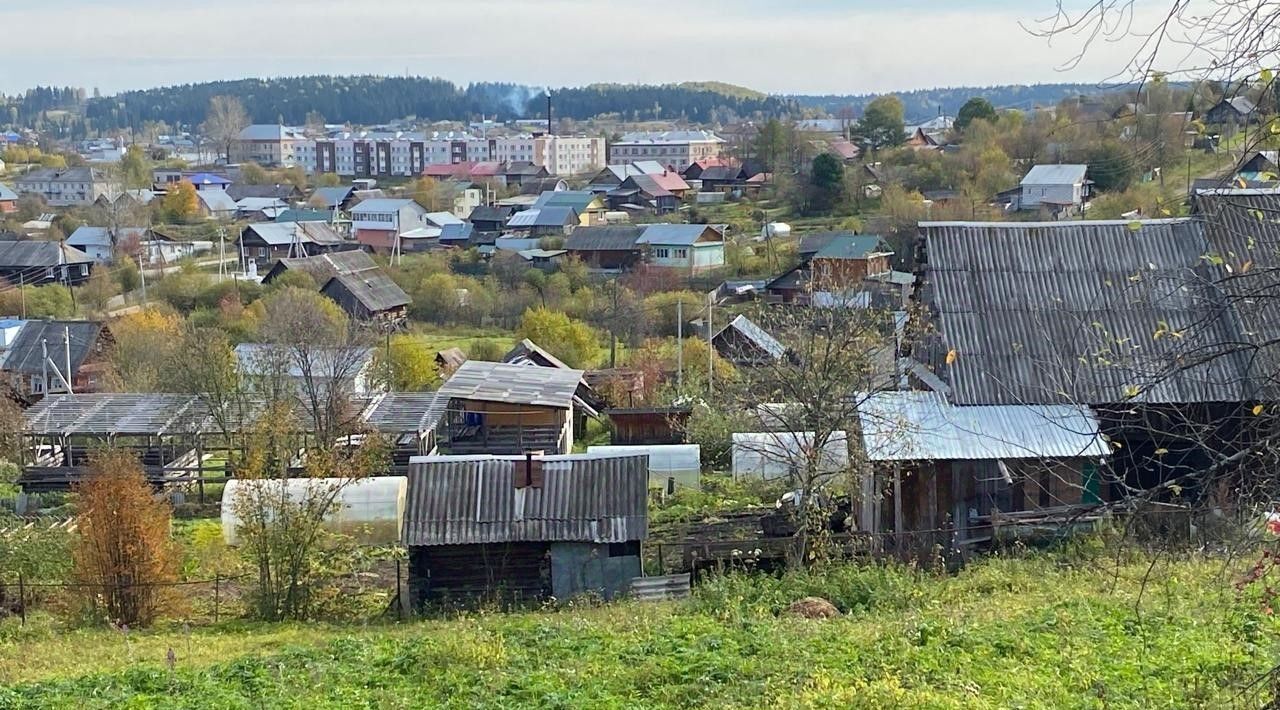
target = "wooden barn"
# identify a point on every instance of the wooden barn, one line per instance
(522, 529)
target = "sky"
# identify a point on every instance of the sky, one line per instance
(777, 46)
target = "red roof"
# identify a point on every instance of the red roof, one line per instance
(446, 170)
(670, 181)
(717, 162)
(844, 149)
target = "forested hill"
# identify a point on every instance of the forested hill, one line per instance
(377, 99)
(922, 104)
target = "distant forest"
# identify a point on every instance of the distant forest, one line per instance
(923, 104)
(368, 100)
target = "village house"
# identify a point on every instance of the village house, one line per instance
(100, 243)
(37, 353)
(377, 223)
(612, 248)
(287, 193)
(490, 220)
(333, 199)
(589, 207)
(1059, 190)
(216, 204)
(510, 408)
(530, 528)
(1027, 308)
(685, 248)
(8, 200)
(268, 145)
(63, 187)
(544, 222)
(265, 242)
(745, 344)
(1234, 111)
(37, 262)
(834, 266)
(352, 280)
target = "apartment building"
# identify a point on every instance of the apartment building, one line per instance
(560, 155)
(61, 187)
(271, 145)
(673, 149)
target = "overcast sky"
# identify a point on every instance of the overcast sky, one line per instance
(779, 46)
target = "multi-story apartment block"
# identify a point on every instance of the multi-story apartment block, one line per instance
(674, 149)
(265, 144)
(64, 186)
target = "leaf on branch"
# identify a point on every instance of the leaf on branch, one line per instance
(1264, 76)
(1134, 226)
(1257, 409)
(1131, 391)
(1161, 451)
(952, 355)
(1257, 214)
(1244, 268)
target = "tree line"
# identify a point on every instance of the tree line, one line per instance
(377, 99)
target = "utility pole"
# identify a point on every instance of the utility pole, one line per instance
(142, 275)
(680, 344)
(613, 326)
(22, 291)
(711, 351)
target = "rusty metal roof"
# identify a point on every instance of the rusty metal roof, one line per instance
(471, 500)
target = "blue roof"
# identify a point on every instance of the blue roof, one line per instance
(208, 179)
(579, 200)
(852, 247)
(460, 231)
(7, 194)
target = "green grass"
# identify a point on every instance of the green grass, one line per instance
(1048, 632)
(437, 338)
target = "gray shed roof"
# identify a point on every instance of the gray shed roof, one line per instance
(332, 196)
(7, 193)
(39, 253)
(923, 426)
(513, 384)
(616, 238)
(757, 335)
(1057, 312)
(676, 234)
(543, 217)
(470, 500)
(400, 412)
(285, 233)
(26, 353)
(374, 289)
(1055, 175)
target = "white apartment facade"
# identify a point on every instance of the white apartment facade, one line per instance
(675, 149)
(406, 153)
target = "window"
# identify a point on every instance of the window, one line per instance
(37, 384)
(682, 253)
(662, 252)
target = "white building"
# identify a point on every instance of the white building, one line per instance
(1054, 186)
(674, 149)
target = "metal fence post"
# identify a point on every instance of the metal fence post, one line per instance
(399, 594)
(217, 584)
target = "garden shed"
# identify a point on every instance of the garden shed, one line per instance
(524, 528)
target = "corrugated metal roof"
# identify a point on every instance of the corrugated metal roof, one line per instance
(26, 353)
(543, 217)
(852, 247)
(917, 426)
(374, 289)
(579, 200)
(677, 234)
(331, 197)
(615, 238)
(401, 412)
(757, 335)
(513, 384)
(284, 233)
(6, 193)
(473, 500)
(1056, 312)
(1055, 175)
(216, 200)
(382, 206)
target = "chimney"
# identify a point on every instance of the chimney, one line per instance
(549, 132)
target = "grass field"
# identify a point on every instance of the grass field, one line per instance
(1047, 632)
(436, 339)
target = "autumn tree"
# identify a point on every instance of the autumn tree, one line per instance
(253, 174)
(123, 555)
(135, 168)
(406, 364)
(143, 350)
(96, 293)
(180, 205)
(572, 341)
(826, 184)
(429, 194)
(328, 180)
(223, 122)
